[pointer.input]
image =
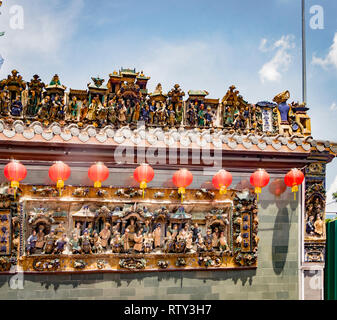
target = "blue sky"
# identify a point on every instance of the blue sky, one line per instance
(209, 45)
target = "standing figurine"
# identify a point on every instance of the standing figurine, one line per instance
(157, 236)
(91, 114)
(31, 242)
(200, 243)
(105, 235)
(112, 112)
(189, 242)
(171, 116)
(209, 117)
(191, 115)
(73, 109)
(125, 240)
(223, 245)
(121, 112)
(201, 116)
(75, 244)
(148, 242)
(32, 108)
(85, 242)
(209, 240)
(196, 231)
(78, 229)
(4, 101)
(40, 239)
(97, 243)
(84, 110)
(215, 237)
(153, 110)
(138, 247)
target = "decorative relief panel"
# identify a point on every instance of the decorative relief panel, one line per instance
(111, 229)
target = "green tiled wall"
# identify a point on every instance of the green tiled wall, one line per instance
(275, 278)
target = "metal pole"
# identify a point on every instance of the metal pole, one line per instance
(304, 56)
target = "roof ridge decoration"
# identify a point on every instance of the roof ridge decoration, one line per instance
(125, 102)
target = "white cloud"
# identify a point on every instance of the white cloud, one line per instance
(331, 57)
(272, 70)
(333, 107)
(47, 27)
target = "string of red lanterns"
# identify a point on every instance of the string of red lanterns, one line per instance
(59, 172)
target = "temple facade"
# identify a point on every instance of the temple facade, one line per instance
(123, 239)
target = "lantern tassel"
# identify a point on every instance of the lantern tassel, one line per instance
(223, 190)
(15, 185)
(60, 185)
(181, 190)
(294, 189)
(97, 184)
(143, 186)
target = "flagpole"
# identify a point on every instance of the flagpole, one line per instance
(304, 56)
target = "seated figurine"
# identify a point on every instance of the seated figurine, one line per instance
(138, 239)
(85, 242)
(17, 107)
(200, 243)
(96, 243)
(60, 244)
(148, 242)
(50, 242)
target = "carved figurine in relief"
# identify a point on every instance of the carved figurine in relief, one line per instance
(157, 236)
(73, 109)
(215, 237)
(319, 226)
(171, 115)
(310, 228)
(84, 110)
(138, 239)
(161, 114)
(191, 115)
(121, 112)
(91, 114)
(209, 240)
(116, 243)
(75, 244)
(209, 117)
(85, 242)
(223, 245)
(31, 243)
(40, 238)
(126, 240)
(4, 101)
(152, 111)
(189, 242)
(96, 243)
(60, 244)
(169, 243)
(78, 229)
(16, 109)
(44, 110)
(105, 235)
(195, 231)
(200, 243)
(50, 242)
(148, 242)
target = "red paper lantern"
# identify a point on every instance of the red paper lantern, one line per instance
(182, 179)
(293, 179)
(98, 172)
(222, 180)
(277, 187)
(15, 172)
(59, 172)
(259, 179)
(143, 175)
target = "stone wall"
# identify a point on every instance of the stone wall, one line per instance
(275, 278)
